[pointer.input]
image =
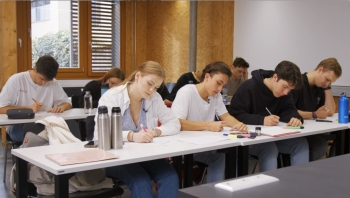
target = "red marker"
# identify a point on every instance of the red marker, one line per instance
(33, 100)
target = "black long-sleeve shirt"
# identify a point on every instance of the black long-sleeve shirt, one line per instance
(182, 81)
(252, 98)
(308, 98)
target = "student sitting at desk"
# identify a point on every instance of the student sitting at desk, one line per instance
(315, 100)
(36, 89)
(197, 105)
(113, 77)
(239, 69)
(265, 100)
(141, 105)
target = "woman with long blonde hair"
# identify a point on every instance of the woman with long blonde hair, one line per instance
(142, 108)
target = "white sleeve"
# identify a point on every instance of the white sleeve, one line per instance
(220, 106)
(9, 93)
(180, 106)
(59, 96)
(170, 124)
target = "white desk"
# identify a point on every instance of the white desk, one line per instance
(311, 128)
(71, 114)
(131, 153)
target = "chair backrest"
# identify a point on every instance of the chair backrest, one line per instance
(90, 127)
(37, 128)
(75, 101)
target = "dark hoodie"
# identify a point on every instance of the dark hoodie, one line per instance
(249, 103)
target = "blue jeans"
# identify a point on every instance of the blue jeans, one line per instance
(298, 149)
(138, 178)
(215, 162)
(16, 132)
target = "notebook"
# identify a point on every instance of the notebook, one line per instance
(277, 131)
(80, 157)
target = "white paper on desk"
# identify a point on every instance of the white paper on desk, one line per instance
(43, 114)
(204, 139)
(162, 141)
(277, 131)
(246, 182)
(282, 124)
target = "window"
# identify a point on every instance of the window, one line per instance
(79, 34)
(40, 10)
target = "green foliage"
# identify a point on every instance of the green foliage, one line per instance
(55, 44)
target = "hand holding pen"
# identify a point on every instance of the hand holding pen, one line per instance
(322, 112)
(36, 106)
(143, 135)
(271, 120)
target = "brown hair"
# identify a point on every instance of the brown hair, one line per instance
(216, 67)
(289, 72)
(112, 73)
(331, 64)
(146, 68)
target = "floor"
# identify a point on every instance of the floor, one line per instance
(5, 186)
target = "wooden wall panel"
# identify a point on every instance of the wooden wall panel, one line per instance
(168, 36)
(8, 43)
(215, 32)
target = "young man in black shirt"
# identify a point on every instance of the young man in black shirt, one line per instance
(315, 100)
(269, 90)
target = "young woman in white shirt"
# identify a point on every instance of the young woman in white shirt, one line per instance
(141, 105)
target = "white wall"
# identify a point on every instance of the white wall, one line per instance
(267, 32)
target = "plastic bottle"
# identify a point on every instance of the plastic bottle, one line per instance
(343, 109)
(87, 102)
(224, 94)
(116, 128)
(104, 88)
(104, 131)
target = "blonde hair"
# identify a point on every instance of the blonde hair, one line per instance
(331, 64)
(146, 68)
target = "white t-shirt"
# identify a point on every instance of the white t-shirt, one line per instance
(20, 90)
(189, 105)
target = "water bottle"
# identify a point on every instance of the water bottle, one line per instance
(116, 128)
(104, 131)
(343, 109)
(87, 102)
(104, 88)
(224, 94)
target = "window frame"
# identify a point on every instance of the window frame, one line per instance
(24, 57)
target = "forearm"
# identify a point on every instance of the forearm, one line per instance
(230, 120)
(4, 109)
(305, 114)
(66, 106)
(187, 125)
(329, 102)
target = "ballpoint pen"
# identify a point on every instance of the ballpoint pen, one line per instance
(217, 117)
(33, 99)
(268, 110)
(143, 127)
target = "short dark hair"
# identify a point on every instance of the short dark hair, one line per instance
(47, 66)
(289, 72)
(216, 67)
(240, 62)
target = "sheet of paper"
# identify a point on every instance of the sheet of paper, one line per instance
(204, 139)
(163, 142)
(278, 131)
(282, 124)
(43, 114)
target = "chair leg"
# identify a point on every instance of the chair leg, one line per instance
(256, 163)
(5, 160)
(204, 173)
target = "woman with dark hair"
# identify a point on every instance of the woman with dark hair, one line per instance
(113, 77)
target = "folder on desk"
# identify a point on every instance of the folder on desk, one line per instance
(92, 155)
(277, 131)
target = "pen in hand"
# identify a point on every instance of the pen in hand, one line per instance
(143, 127)
(33, 99)
(268, 110)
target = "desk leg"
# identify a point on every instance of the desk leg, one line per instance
(338, 143)
(242, 164)
(230, 163)
(62, 186)
(347, 141)
(177, 164)
(21, 186)
(188, 170)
